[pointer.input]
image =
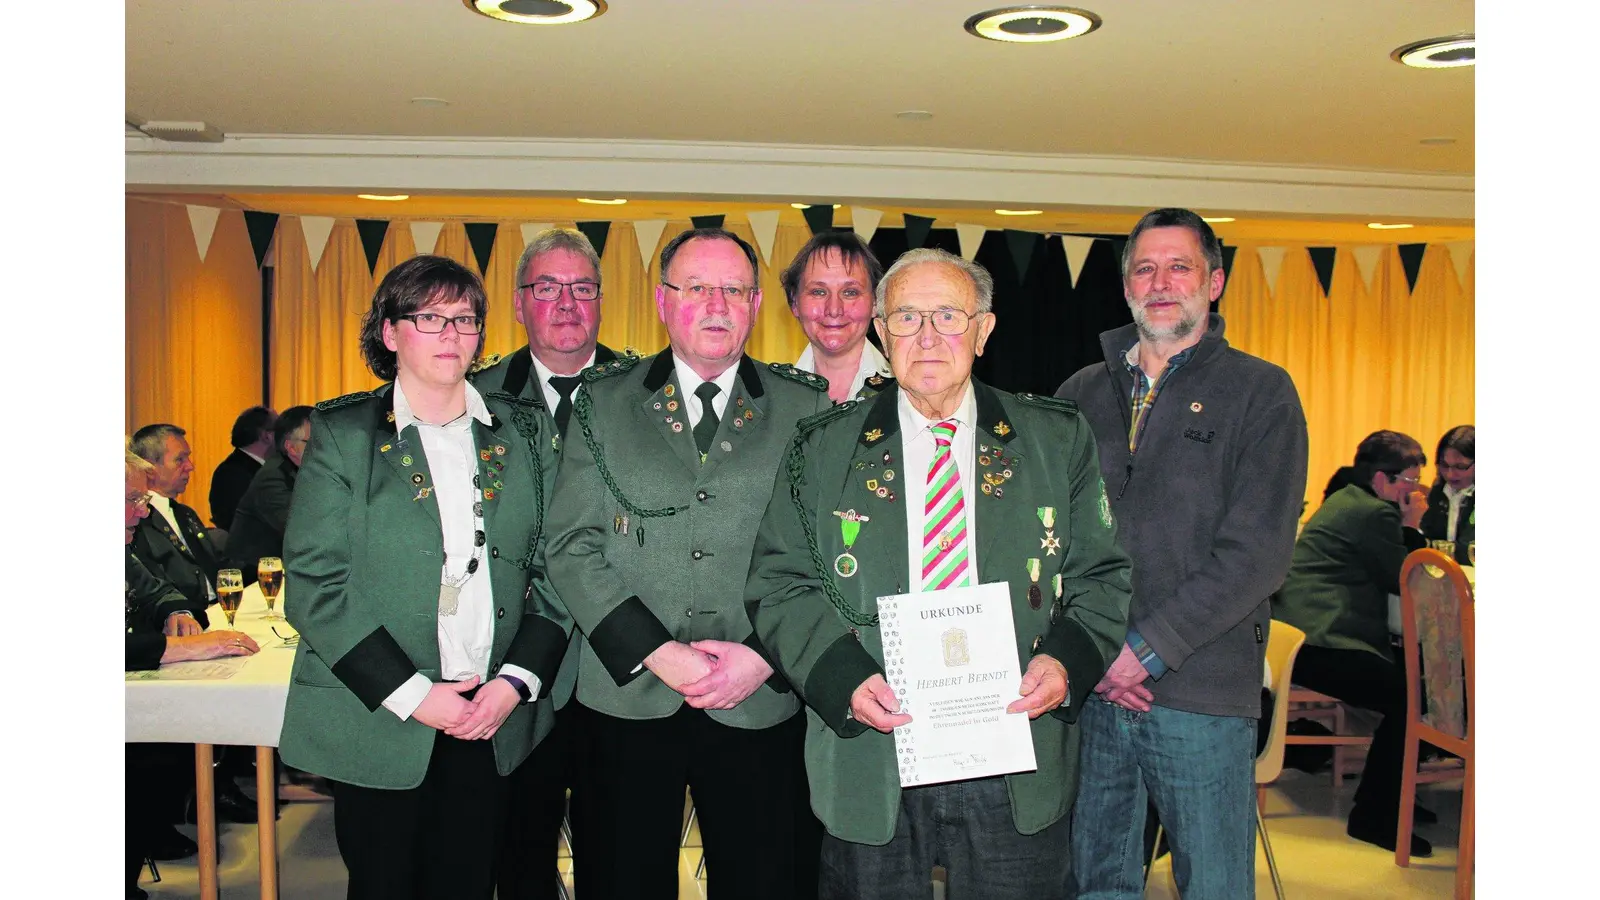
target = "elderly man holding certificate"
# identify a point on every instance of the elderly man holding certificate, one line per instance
(939, 563)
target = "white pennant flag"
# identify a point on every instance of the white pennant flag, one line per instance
(648, 233)
(864, 221)
(203, 220)
(426, 236)
(1271, 262)
(971, 237)
(764, 224)
(1077, 249)
(530, 230)
(1367, 258)
(316, 229)
(1460, 255)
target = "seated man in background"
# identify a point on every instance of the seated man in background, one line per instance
(1452, 513)
(263, 511)
(1346, 564)
(174, 544)
(252, 441)
(160, 629)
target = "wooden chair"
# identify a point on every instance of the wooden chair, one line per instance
(1436, 615)
(1348, 749)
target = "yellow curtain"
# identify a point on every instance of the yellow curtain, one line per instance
(1362, 360)
(193, 332)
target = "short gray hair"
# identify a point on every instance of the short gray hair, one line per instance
(150, 442)
(982, 281)
(134, 462)
(552, 239)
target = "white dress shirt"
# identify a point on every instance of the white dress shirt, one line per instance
(1454, 497)
(258, 459)
(917, 447)
(689, 381)
(552, 397)
(872, 363)
(163, 504)
(466, 638)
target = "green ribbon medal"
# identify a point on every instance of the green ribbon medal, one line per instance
(849, 529)
(1035, 598)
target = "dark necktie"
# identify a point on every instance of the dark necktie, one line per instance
(564, 385)
(707, 429)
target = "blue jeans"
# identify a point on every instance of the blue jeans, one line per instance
(1199, 770)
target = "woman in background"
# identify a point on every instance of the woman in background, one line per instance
(1451, 514)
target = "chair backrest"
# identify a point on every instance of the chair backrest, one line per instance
(1436, 615)
(1283, 645)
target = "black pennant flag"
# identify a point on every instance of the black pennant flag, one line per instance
(1322, 258)
(261, 226)
(707, 221)
(1411, 261)
(1022, 244)
(917, 228)
(372, 232)
(1227, 261)
(819, 216)
(481, 236)
(1118, 246)
(596, 233)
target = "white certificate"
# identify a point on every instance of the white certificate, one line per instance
(951, 657)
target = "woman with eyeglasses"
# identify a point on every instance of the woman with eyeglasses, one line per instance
(426, 632)
(1345, 565)
(1451, 512)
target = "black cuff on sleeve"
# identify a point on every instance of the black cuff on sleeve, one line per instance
(145, 650)
(838, 672)
(775, 681)
(625, 637)
(1071, 646)
(538, 647)
(374, 668)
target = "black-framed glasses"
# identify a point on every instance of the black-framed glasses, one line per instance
(908, 322)
(546, 291)
(433, 323)
(732, 293)
(1457, 467)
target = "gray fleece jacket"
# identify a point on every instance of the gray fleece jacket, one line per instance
(1206, 507)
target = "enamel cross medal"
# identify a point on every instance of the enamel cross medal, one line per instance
(850, 529)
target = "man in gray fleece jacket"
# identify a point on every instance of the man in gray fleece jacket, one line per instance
(1203, 452)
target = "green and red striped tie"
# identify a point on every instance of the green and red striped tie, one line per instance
(944, 518)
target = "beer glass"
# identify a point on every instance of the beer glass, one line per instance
(269, 574)
(230, 590)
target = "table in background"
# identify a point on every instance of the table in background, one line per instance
(246, 709)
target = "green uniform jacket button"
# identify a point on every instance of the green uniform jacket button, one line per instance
(501, 614)
(1037, 640)
(494, 552)
(697, 554)
(701, 496)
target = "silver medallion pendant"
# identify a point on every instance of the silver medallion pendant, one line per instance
(449, 599)
(845, 565)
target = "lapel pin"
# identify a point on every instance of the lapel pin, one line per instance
(670, 390)
(385, 448)
(677, 426)
(1195, 406)
(417, 478)
(405, 460)
(727, 446)
(499, 449)
(1001, 428)
(874, 434)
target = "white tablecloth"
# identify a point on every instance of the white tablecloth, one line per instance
(245, 709)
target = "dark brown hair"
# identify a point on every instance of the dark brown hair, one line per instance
(419, 282)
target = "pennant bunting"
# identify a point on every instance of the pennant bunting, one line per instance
(1022, 244)
(596, 233)
(262, 226)
(1367, 258)
(819, 216)
(707, 221)
(203, 221)
(1119, 246)
(865, 222)
(1077, 250)
(1411, 260)
(1271, 264)
(316, 229)
(425, 235)
(764, 225)
(1460, 255)
(648, 233)
(971, 237)
(1322, 259)
(481, 236)
(1228, 253)
(530, 230)
(372, 232)
(917, 228)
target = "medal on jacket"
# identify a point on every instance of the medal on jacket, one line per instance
(1035, 597)
(449, 599)
(850, 529)
(1049, 543)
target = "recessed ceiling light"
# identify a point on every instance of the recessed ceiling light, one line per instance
(388, 197)
(617, 202)
(1018, 212)
(808, 205)
(538, 12)
(914, 115)
(1438, 53)
(429, 101)
(1216, 219)
(1388, 227)
(1437, 141)
(1032, 24)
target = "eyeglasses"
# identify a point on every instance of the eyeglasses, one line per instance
(433, 323)
(551, 290)
(908, 322)
(140, 502)
(1456, 467)
(1406, 478)
(732, 293)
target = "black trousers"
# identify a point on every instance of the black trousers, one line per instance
(157, 780)
(750, 795)
(1367, 681)
(532, 836)
(437, 841)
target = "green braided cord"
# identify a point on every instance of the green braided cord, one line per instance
(581, 406)
(528, 427)
(796, 461)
